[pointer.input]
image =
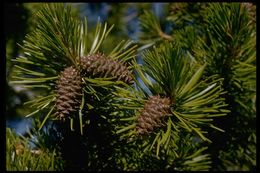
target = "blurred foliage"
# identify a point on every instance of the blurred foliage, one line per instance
(21, 157)
(17, 24)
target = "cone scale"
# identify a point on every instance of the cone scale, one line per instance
(68, 89)
(99, 65)
(155, 109)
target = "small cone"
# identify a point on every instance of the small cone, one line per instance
(101, 66)
(68, 93)
(151, 115)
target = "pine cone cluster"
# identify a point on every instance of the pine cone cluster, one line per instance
(99, 65)
(68, 86)
(152, 114)
(68, 90)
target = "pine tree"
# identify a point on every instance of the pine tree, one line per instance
(99, 109)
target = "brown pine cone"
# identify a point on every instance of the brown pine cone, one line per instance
(99, 65)
(68, 89)
(151, 115)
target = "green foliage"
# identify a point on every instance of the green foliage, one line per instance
(21, 157)
(184, 156)
(151, 30)
(230, 51)
(187, 14)
(231, 41)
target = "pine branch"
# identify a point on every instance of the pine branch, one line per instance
(151, 30)
(21, 157)
(192, 102)
(56, 48)
(230, 51)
